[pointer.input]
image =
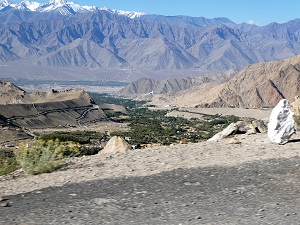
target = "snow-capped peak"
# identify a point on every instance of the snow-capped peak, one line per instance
(27, 5)
(3, 3)
(58, 2)
(63, 7)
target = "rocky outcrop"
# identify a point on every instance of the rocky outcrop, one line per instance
(9, 93)
(66, 108)
(115, 145)
(295, 107)
(240, 127)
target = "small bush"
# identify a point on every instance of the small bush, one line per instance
(89, 150)
(8, 163)
(44, 156)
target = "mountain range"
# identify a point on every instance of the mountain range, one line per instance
(63, 40)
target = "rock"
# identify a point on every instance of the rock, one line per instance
(5, 204)
(231, 129)
(240, 127)
(198, 217)
(251, 131)
(114, 145)
(295, 107)
(183, 141)
(244, 126)
(260, 126)
(234, 141)
(281, 125)
(2, 198)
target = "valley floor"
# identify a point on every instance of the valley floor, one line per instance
(190, 112)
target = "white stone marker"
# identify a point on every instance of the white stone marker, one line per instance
(281, 124)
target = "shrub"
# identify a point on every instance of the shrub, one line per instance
(81, 137)
(44, 156)
(89, 150)
(65, 137)
(8, 163)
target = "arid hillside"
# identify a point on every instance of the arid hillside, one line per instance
(171, 86)
(257, 85)
(10, 94)
(47, 109)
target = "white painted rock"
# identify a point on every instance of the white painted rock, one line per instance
(281, 125)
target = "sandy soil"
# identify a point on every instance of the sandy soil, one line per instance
(152, 161)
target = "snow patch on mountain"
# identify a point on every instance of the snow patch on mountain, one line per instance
(89, 8)
(3, 4)
(58, 2)
(63, 7)
(129, 14)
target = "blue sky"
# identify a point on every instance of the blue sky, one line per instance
(260, 12)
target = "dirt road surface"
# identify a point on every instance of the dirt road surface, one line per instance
(255, 182)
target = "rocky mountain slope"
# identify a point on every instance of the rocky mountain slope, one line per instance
(89, 43)
(47, 109)
(171, 86)
(258, 85)
(9, 93)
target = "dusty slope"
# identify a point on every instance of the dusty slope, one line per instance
(152, 161)
(72, 107)
(258, 85)
(9, 93)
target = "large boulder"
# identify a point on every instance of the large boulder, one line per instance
(231, 129)
(281, 125)
(260, 126)
(295, 107)
(241, 127)
(114, 145)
